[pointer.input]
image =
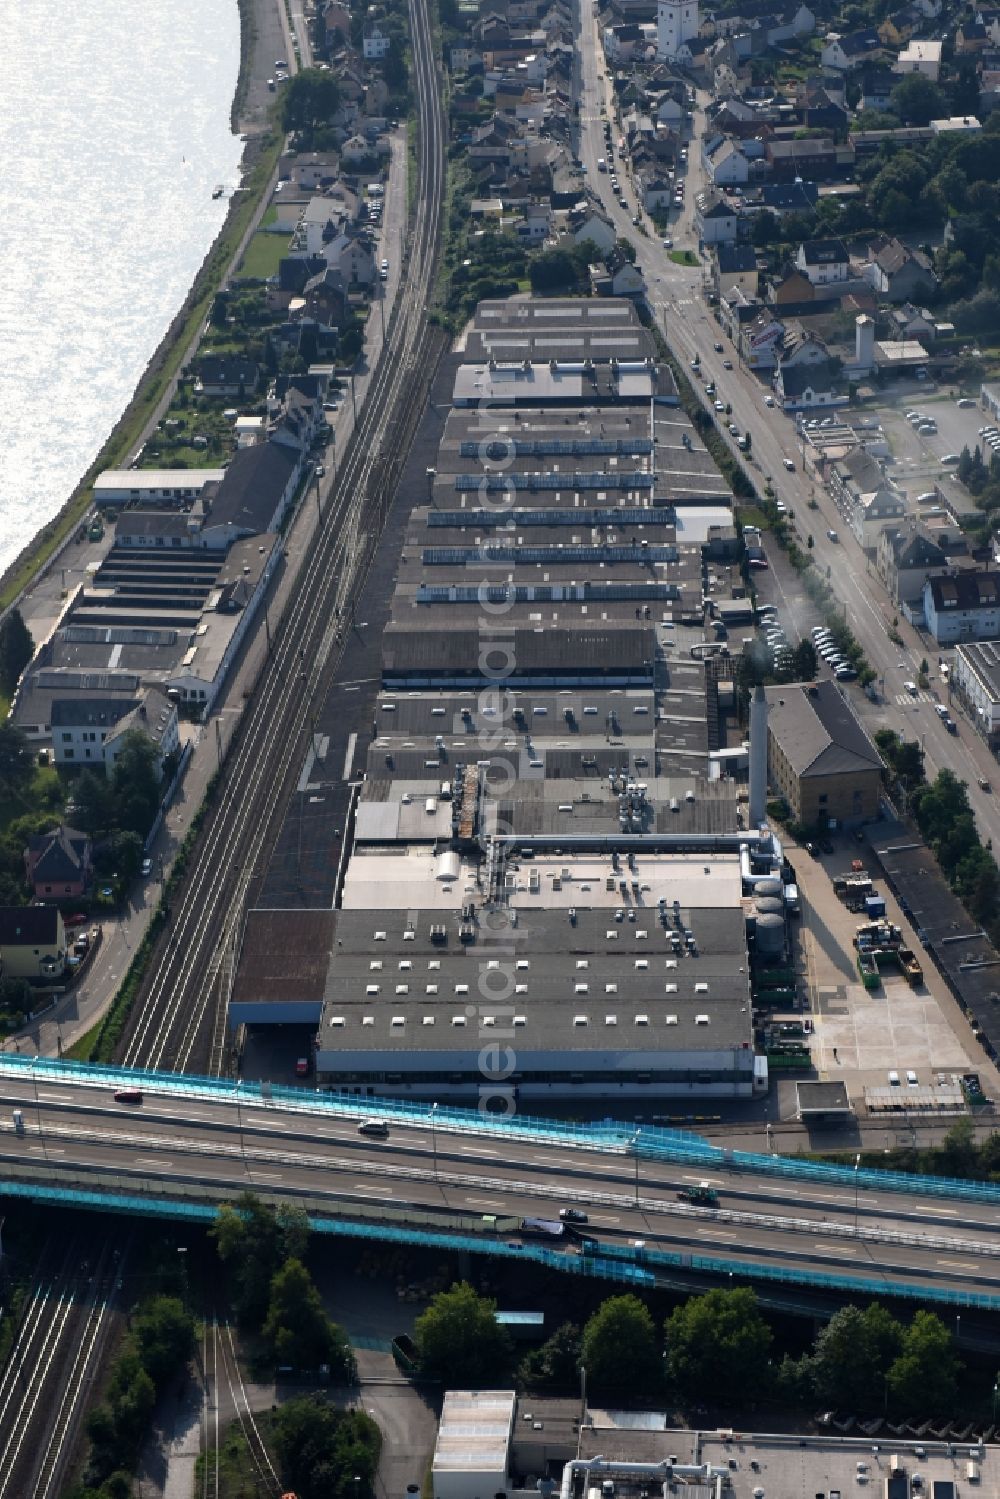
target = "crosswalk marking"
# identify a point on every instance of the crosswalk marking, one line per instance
(903, 698)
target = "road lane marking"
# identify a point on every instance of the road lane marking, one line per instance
(53, 1097)
(474, 1150)
(149, 1161)
(719, 1234)
(951, 1212)
(717, 1181)
(960, 1264)
(382, 1191)
(840, 1248)
(484, 1202)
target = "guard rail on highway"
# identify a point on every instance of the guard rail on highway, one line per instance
(650, 1142)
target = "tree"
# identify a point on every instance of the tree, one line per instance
(717, 1345)
(119, 857)
(924, 1377)
(164, 1334)
(394, 69)
(297, 1329)
(555, 1366)
(94, 812)
(310, 99)
(16, 764)
(253, 1241)
(619, 1349)
(626, 248)
(852, 1357)
(16, 650)
(325, 1453)
(219, 315)
(917, 100)
(804, 661)
(553, 271)
(459, 1339)
(135, 783)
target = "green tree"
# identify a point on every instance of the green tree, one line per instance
(135, 782)
(924, 1378)
(310, 100)
(394, 69)
(16, 650)
(555, 1366)
(626, 248)
(94, 812)
(325, 1453)
(852, 1357)
(459, 1339)
(717, 1345)
(164, 1334)
(253, 1241)
(297, 1329)
(804, 661)
(619, 1349)
(119, 857)
(917, 100)
(554, 271)
(17, 766)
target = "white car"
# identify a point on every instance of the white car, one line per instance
(720, 405)
(911, 687)
(789, 464)
(768, 400)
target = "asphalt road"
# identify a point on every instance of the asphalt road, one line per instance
(175, 1143)
(674, 294)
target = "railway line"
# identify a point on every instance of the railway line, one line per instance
(55, 1355)
(177, 1022)
(223, 1382)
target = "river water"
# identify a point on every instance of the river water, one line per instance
(114, 132)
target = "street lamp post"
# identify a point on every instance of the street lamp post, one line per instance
(635, 1149)
(857, 1166)
(434, 1151)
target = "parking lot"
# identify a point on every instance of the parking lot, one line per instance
(861, 1035)
(915, 464)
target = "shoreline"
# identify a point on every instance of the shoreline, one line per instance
(45, 547)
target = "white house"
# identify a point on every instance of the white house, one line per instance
(677, 24)
(726, 165)
(375, 45)
(920, 57)
(714, 220)
(91, 730)
(823, 261)
(596, 228)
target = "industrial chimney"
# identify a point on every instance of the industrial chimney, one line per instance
(758, 757)
(864, 342)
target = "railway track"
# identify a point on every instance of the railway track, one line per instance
(178, 1021)
(55, 1355)
(224, 1382)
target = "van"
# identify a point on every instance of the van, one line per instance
(376, 1127)
(18, 1122)
(972, 1472)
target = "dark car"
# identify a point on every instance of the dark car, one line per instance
(812, 850)
(572, 1215)
(826, 846)
(128, 1095)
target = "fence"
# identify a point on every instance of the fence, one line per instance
(654, 1143)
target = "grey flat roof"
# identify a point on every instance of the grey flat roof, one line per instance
(284, 957)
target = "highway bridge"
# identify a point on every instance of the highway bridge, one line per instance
(452, 1178)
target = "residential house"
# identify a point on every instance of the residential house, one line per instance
(760, 340)
(897, 272)
(325, 298)
(904, 557)
(715, 220)
(92, 730)
(802, 387)
(734, 266)
(464, 59)
(593, 227)
(357, 150)
(625, 278)
(676, 30)
(59, 863)
(790, 289)
(225, 375)
(845, 53)
(823, 261)
(822, 112)
(877, 85)
(656, 190)
(375, 44)
(865, 498)
(920, 57)
(32, 943)
(820, 759)
(962, 606)
(780, 198)
(970, 38)
(975, 681)
(725, 164)
(623, 42)
(351, 254)
(309, 170)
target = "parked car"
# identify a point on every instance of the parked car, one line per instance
(146, 868)
(727, 364)
(832, 535)
(789, 464)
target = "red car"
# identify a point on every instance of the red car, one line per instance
(128, 1095)
(76, 920)
(302, 1067)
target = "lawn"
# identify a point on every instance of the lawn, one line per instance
(263, 255)
(683, 257)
